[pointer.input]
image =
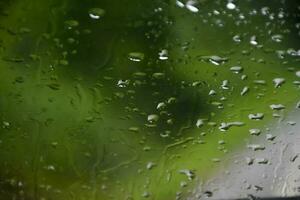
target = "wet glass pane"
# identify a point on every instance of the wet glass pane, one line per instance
(149, 99)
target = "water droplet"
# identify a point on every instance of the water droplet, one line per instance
(253, 40)
(189, 173)
(260, 82)
(208, 194)
(71, 24)
(278, 82)
(153, 118)
(212, 93)
(270, 137)
(298, 105)
(245, 91)
(262, 160)
(254, 131)
(237, 38)
(96, 13)
(123, 83)
(298, 74)
(158, 75)
(5, 124)
(136, 56)
(256, 116)
(216, 60)
(249, 161)
(256, 147)
(277, 38)
(150, 165)
(225, 84)
(225, 126)
(146, 194)
(179, 4)
(277, 107)
(236, 69)
(191, 6)
(199, 123)
(231, 6)
(134, 129)
(161, 106)
(163, 54)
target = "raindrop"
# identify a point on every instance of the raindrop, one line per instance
(191, 6)
(189, 173)
(225, 126)
(225, 85)
(158, 75)
(236, 69)
(199, 123)
(298, 105)
(277, 107)
(278, 82)
(161, 106)
(208, 194)
(262, 160)
(71, 24)
(298, 74)
(231, 6)
(270, 137)
(256, 116)
(146, 194)
(256, 147)
(216, 60)
(136, 56)
(254, 131)
(249, 161)
(153, 118)
(123, 83)
(237, 38)
(253, 40)
(5, 124)
(245, 91)
(96, 13)
(163, 54)
(150, 165)
(277, 38)
(260, 82)
(179, 4)
(212, 93)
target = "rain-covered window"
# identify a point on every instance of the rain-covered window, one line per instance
(149, 99)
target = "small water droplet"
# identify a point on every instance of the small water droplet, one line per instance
(278, 82)
(256, 116)
(199, 123)
(225, 84)
(163, 54)
(153, 118)
(254, 131)
(256, 147)
(270, 137)
(277, 107)
(71, 24)
(136, 56)
(236, 69)
(96, 13)
(245, 91)
(216, 60)
(231, 6)
(191, 6)
(189, 173)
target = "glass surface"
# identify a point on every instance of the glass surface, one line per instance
(149, 99)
